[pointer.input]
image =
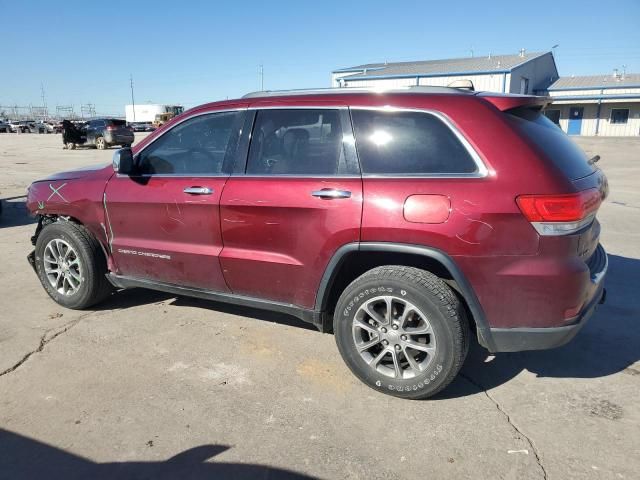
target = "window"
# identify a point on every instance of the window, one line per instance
(198, 146)
(551, 141)
(619, 115)
(408, 143)
(553, 115)
(296, 142)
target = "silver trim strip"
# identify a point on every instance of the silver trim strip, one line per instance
(423, 89)
(597, 277)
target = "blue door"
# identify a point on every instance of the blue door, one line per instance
(575, 120)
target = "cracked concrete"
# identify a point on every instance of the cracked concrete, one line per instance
(509, 421)
(146, 378)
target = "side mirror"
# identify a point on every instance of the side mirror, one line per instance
(123, 161)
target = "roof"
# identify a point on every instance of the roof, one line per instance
(596, 82)
(486, 64)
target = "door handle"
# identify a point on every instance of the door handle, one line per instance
(198, 190)
(331, 193)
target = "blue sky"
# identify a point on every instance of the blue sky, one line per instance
(192, 52)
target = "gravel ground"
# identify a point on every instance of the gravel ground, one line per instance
(149, 385)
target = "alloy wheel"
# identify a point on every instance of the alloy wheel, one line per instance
(393, 337)
(62, 267)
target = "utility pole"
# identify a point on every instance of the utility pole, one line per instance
(261, 73)
(133, 102)
(44, 102)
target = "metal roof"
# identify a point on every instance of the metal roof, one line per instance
(350, 90)
(596, 82)
(486, 64)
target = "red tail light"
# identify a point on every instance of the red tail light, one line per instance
(560, 214)
(111, 127)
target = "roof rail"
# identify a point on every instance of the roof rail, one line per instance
(348, 90)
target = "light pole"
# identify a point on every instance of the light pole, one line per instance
(133, 102)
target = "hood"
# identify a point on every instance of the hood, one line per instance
(91, 171)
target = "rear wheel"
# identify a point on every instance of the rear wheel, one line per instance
(100, 143)
(401, 331)
(71, 266)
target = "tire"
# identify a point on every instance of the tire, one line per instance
(85, 260)
(100, 143)
(71, 146)
(126, 145)
(435, 324)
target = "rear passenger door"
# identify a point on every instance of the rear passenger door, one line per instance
(296, 201)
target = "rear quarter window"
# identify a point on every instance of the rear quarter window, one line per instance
(408, 143)
(552, 142)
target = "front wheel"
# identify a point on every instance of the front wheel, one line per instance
(71, 266)
(100, 143)
(402, 331)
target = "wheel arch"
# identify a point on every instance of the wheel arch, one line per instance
(352, 260)
(47, 219)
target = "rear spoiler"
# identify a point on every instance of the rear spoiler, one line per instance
(510, 102)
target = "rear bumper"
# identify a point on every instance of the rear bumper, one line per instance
(519, 339)
(119, 139)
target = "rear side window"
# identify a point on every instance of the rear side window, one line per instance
(552, 142)
(296, 142)
(408, 143)
(116, 123)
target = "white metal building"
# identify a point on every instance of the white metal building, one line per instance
(519, 73)
(604, 105)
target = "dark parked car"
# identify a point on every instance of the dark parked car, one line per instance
(106, 132)
(403, 221)
(5, 127)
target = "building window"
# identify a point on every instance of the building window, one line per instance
(553, 115)
(619, 115)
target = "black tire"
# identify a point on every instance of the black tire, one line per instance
(442, 310)
(94, 286)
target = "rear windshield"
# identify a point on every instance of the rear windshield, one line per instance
(117, 123)
(553, 142)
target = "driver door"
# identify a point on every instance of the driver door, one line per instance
(164, 219)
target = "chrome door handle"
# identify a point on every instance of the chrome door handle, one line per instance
(331, 193)
(198, 190)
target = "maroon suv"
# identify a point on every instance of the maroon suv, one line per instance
(402, 221)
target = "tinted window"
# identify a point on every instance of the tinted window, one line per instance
(296, 142)
(408, 143)
(197, 146)
(116, 123)
(552, 142)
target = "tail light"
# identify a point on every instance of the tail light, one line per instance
(111, 127)
(560, 214)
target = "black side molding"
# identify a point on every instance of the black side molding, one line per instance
(303, 314)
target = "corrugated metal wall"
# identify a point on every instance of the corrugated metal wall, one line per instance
(605, 127)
